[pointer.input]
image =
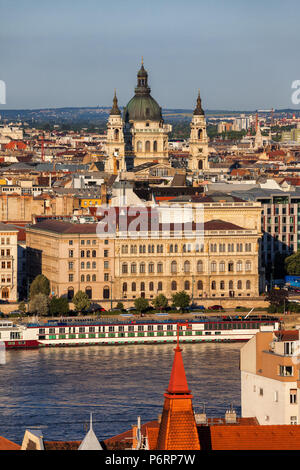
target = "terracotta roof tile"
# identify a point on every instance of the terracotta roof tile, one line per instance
(5, 444)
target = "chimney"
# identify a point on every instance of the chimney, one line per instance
(230, 416)
(201, 418)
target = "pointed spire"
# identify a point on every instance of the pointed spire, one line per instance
(90, 442)
(178, 383)
(198, 110)
(115, 109)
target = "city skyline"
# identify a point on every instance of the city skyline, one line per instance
(68, 54)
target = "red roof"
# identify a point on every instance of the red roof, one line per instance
(5, 444)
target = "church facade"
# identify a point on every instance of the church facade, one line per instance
(141, 136)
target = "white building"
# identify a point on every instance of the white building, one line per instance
(270, 378)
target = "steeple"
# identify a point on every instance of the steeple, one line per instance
(198, 110)
(90, 442)
(142, 81)
(115, 109)
(178, 429)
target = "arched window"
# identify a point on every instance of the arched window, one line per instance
(213, 266)
(94, 265)
(70, 293)
(200, 285)
(82, 265)
(200, 165)
(171, 248)
(187, 266)
(116, 134)
(239, 266)
(231, 285)
(160, 286)
(151, 268)
(133, 287)
(124, 287)
(82, 254)
(94, 278)
(88, 254)
(106, 293)
(173, 267)
(187, 285)
(88, 265)
(139, 146)
(222, 285)
(89, 292)
(160, 267)
(155, 146)
(133, 268)
(174, 285)
(142, 286)
(213, 285)
(142, 268)
(175, 248)
(248, 285)
(94, 254)
(147, 146)
(124, 268)
(151, 286)
(222, 267)
(248, 266)
(199, 266)
(88, 278)
(200, 134)
(239, 285)
(82, 278)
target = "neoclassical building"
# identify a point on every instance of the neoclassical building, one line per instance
(141, 135)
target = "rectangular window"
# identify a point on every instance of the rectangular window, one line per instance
(285, 371)
(106, 265)
(261, 392)
(71, 278)
(293, 396)
(293, 420)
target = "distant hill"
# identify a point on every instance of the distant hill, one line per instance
(100, 113)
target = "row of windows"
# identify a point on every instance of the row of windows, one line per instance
(5, 252)
(5, 240)
(186, 267)
(139, 146)
(5, 279)
(187, 248)
(187, 286)
(87, 242)
(83, 265)
(5, 264)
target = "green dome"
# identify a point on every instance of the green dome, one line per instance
(142, 108)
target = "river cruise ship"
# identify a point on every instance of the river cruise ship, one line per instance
(89, 332)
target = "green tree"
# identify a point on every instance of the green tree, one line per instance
(81, 301)
(292, 264)
(141, 304)
(39, 304)
(160, 302)
(40, 285)
(181, 300)
(22, 307)
(120, 306)
(277, 297)
(58, 306)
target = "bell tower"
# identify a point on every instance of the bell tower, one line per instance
(198, 159)
(115, 144)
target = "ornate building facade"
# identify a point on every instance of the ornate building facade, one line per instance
(141, 135)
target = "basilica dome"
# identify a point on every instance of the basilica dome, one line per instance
(142, 107)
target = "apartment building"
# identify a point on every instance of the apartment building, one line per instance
(9, 262)
(270, 377)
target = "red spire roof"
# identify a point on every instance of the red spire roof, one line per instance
(178, 383)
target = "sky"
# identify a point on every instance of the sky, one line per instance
(241, 54)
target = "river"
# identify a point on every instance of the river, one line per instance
(56, 389)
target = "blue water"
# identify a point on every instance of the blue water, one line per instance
(56, 389)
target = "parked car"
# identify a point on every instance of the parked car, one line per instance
(17, 312)
(215, 307)
(196, 308)
(131, 309)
